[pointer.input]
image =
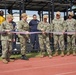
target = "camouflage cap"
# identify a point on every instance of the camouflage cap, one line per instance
(9, 16)
(23, 15)
(58, 13)
(71, 14)
(45, 16)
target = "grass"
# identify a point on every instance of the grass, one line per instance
(29, 55)
(33, 55)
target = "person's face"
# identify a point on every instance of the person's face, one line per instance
(34, 17)
(25, 18)
(69, 16)
(2, 13)
(10, 19)
(57, 16)
(45, 19)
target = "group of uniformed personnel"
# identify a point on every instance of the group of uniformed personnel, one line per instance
(57, 25)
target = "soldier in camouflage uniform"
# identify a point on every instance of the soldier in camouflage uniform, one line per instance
(58, 26)
(22, 27)
(6, 38)
(71, 27)
(44, 37)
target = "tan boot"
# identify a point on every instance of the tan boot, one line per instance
(10, 60)
(5, 61)
(68, 53)
(56, 54)
(62, 53)
(42, 56)
(50, 56)
(74, 53)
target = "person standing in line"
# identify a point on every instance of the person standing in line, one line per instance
(1, 17)
(22, 27)
(44, 27)
(33, 28)
(71, 27)
(6, 38)
(58, 26)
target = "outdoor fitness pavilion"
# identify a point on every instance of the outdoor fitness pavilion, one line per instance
(40, 66)
(38, 5)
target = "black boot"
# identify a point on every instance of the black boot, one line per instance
(23, 57)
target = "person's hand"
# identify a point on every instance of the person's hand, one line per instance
(27, 32)
(13, 40)
(63, 31)
(7, 31)
(42, 29)
(43, 32)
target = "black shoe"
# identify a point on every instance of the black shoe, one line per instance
(23, 57)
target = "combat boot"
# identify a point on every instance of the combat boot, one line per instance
(68, 53)
(23, 57)
(62, 53)
(42, 55)
(50, 56)
(5, 61)
(10, 60)
(56, 54)
(74, 53)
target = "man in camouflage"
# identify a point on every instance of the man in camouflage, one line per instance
(58, 26)
(6, 38)
(22, 27)
(44, 37)
(71, 27)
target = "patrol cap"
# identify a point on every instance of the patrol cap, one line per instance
(70, 14)
(23, 15)
(45, 16)
(9, 16)
(58, 13)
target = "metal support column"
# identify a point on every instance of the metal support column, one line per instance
(49, 11)
(66, 12)
(42, 15)
(52, 12)
(71, 6)
(5, 9)
(10, 11)
(23, 6)
(64, 15)
(20, 9)
(39, 13)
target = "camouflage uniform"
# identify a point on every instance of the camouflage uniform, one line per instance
(70, 27)
(58, 26)
(22, 27)
(6, 40)
(44, 38)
